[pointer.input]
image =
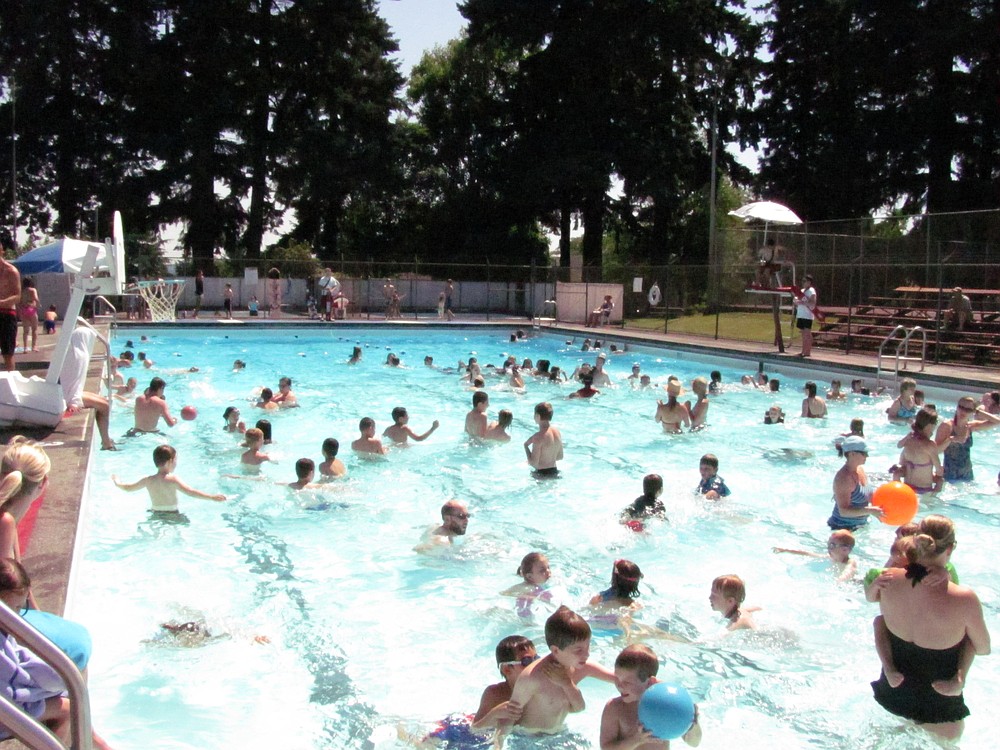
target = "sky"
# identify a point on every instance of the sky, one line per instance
(420, 25)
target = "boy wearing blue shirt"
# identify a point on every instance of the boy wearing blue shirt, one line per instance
(712, 486)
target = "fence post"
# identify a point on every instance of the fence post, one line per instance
(487, 289)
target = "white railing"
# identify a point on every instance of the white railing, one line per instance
(26, 728)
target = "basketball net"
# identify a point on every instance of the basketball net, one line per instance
(161, 296)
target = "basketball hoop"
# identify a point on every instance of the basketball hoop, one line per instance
(161, 296)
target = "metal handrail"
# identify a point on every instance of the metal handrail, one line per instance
(26, 728)
(107, 357)
(903, 345)
(881, 348)
(114, 310)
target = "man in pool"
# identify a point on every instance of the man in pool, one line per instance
(149, 407)
(368, 444)
(545, 447)
(454, 522)
(476, 422)
(285, 397)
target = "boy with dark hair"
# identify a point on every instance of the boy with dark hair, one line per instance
(305, 471)
(368, 443)
(712, 486)
(513, 653)
(400, 430)
(331, 466)
(648, 504)
(545, 447)
(476, 422)
(547, 689)
(635, 671)
(163, 485)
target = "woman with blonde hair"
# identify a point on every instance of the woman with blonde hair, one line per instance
(24, 471)
(935, 628)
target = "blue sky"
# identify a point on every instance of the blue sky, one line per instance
(420, 25)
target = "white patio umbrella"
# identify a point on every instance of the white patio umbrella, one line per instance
(767, 211)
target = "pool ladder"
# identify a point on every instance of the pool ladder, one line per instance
(902, 353)
(112, 318)
(23, 726)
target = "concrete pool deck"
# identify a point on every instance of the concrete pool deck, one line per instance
(49, 553)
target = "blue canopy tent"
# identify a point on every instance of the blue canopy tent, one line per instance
(61, 256)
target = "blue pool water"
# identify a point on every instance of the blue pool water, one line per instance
(367, 636)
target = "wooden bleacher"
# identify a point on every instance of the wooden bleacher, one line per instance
(911, 306)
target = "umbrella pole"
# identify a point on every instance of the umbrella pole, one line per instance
(779, 339)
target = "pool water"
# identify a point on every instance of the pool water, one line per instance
(367, 636)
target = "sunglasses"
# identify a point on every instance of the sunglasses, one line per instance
(523, 661)
(461, 516)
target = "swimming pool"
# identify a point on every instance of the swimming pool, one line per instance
(367, 635)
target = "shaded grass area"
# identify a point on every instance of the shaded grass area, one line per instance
(738, 326)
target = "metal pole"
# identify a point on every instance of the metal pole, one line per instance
(487, 289)
(13, 166)
(713, 259)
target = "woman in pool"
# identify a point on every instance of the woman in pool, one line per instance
(672, 414)
(934, 632)
(233, 423)
(355, 356)
(851, 491)
(919, 465)
(954, 437)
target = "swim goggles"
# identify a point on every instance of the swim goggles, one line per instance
(523, 661)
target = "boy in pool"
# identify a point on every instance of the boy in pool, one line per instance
(635, 671)
(513, 653)
(545, 447)
(305, 472)
(728, 593)
(838, 548)
(712, 486)
(368, 444)
(476, 422)
(331, 466)
(715, 385)
(163, 485)
(547, 689)
(252, 456)
(400, 430)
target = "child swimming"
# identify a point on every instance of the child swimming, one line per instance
(535, 573)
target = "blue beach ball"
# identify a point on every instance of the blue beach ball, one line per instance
(666, 710)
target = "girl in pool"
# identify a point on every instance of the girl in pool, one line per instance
(355, 356)
(624, 589)
(919, 465)
(233, 423)
(535, 572)
(498, 430)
